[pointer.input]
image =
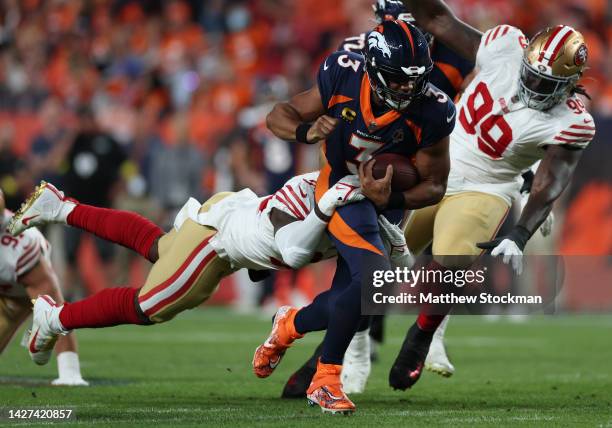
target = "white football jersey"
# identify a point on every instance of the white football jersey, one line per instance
(245, 234)
(18, 255)
(497, 137)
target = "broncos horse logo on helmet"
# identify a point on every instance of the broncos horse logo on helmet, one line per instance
(377, 40)
(398, 63)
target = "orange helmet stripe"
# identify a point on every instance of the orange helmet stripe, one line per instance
(407, 30)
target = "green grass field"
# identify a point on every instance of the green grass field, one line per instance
(554, 371)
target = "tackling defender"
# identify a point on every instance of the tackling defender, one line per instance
(521, 107)
(26, 272)
(208, 242)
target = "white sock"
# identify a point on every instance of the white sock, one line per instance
(441, 330)
(68, 365)
(55, 323)
(360, 345)
(64, 211)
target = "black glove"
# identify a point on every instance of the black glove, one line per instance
(518, 234)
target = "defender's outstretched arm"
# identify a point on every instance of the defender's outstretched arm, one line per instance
(551, 179)
(435, 17)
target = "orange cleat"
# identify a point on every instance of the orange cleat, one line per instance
(268, 356)
(326, 390)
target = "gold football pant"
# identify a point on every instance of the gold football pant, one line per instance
(455, 225)
(187, 272)
(13, 312)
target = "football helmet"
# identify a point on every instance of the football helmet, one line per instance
(390, 10)
(397, 62)
(552, 65)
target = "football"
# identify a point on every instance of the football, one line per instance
(405, 175)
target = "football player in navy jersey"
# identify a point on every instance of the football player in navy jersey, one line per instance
(448, 74)
(380, 102)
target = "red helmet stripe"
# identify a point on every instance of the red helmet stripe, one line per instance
(407, 30)
(559, 46)
(550, 39)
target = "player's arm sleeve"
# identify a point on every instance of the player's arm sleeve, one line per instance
(297, 241)
(500, 43)
(575, 134)
(441, 126)
(328, 77)
(354, 44)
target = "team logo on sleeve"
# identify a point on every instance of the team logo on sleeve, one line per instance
(581, 55)
(377, 40)
(348, 114)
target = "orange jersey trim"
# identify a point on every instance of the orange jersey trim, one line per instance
(322, 182)
(452, 74)
(338, 99)
(366, 108)
(347, 235)
(416, 130)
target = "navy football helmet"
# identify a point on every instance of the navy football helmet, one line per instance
(390, 10)
(398, 63)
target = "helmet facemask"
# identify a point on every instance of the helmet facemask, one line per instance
(381, 76)
(540, 90)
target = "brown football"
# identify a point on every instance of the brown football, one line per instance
(405, 175)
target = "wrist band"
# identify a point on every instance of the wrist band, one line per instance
(319, 213)
(396, 200)
(520, 235)
(301, 132)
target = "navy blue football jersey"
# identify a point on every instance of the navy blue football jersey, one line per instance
(449, 70)
(363, 131)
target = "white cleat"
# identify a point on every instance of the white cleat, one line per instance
(43, 336)
(45, 205)
(70, 381)
(437, 361)
(357, 364)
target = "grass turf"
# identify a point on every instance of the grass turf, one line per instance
(195, 371)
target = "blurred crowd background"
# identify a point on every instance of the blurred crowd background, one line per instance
(141, 104)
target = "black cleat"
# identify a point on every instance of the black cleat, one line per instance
(408, 365)
(299, 381)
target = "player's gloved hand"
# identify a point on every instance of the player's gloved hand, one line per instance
(547, 225)
(378, 191)
(510, 247)
(345, 191)
(395, 243)
(321, 128)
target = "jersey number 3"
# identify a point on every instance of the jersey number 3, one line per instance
(494, 133)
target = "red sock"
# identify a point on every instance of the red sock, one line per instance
(113, 306)
(122, 227)
(431, 315)
(428, 322)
